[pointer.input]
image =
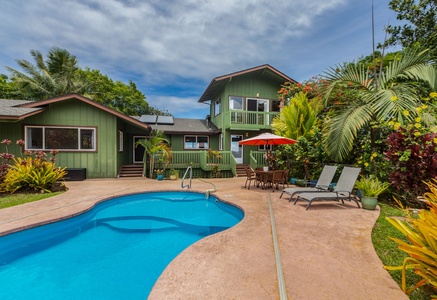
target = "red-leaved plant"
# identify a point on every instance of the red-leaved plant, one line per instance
(413, 155)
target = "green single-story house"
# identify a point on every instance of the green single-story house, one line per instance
(87, 134)
(100, 140)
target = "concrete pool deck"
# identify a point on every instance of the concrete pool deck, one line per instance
(326, 252)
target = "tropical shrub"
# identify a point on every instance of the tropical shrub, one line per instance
(370, 157)
(298, 118)
(413, 155)
(304, 159)
(392, 93)
(29, 173)
(421, 232)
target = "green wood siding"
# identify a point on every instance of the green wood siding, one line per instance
(177, 142)
(246, 87)
(100, 164)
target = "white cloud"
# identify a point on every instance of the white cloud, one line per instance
(161, 42)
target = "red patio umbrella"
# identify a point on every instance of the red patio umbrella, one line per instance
(267, 139)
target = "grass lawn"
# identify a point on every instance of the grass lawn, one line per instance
(389, 253)
(8, 200)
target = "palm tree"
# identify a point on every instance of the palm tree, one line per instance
(298, 118)
(44, 79)
(391, 94)
(156, 146)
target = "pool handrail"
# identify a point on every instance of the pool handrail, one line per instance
(191, 177)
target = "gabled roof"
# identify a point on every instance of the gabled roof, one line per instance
(266, 70)
(186, 126)
(21, 109)
(11, 110)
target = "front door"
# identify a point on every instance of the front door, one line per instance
(138, 152)
(237, 149)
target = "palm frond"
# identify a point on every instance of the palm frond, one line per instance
(343, 128)
(358, 75)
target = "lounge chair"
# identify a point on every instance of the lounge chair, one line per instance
(342, 191)
(322, 184)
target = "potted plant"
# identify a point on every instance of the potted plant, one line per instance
(370, 188)
(159, 174)
(174, 174)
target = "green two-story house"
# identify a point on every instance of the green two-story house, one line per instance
(242, 105)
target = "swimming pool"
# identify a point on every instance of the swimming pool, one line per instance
(115, 251)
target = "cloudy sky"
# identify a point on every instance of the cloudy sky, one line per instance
(173, 49)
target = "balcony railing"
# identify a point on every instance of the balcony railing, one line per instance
(240, 119)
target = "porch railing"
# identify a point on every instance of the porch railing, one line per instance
(257, 159)
(200, 159)
(240, 119)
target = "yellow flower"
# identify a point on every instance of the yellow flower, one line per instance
(396, 126)
(374, 154)
(366, 164)
(419, 109)
(435, 140)
(394, 98)
(418, 119)
(406, 113)
(362, 147)
(391, 123)
(416, 133)
(359, 162)
(426, 99)
(433, 94)
(424, 106)
(417, 125)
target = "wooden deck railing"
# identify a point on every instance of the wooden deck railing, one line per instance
(257, 159)
(249, 119)
(200, 159)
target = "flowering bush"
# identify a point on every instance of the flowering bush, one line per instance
(413, 153)
(29, 173)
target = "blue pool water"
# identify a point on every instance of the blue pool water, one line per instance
(115, 251)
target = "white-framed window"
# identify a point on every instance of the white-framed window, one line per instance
(259, 105)
(120, 141)
(236, 103)
(196, 142)
(265, 147)
(47, 138)
(217, 106)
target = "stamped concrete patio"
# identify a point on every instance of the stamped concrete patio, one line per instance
(326, 251)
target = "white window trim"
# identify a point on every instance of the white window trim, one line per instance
(197, 143)
(242, 102)
(217, 103)
(94, 130)
(267, 106)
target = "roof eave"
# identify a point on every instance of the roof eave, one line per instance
(242, 72)
(90, 102)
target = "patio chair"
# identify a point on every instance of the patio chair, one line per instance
(322, 184)
(284, 180)
(275, 179)
(250, 176)
(342, 191)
